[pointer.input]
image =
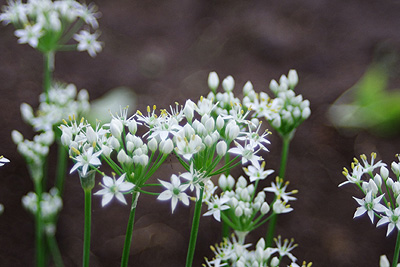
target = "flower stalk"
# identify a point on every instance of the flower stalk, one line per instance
(195, 230)
(129, 231)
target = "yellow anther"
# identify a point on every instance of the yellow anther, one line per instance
(82, 120)
(76, 151)
(363, 157)
(65, 122)
(139, 113)
(154, 107)
(373, 155)
(295, 191)
(94, 144)
(148, 109)
(201, 98)
(69, 117)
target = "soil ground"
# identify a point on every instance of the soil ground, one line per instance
(163, 51)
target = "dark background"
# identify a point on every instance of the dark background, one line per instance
(164, 51)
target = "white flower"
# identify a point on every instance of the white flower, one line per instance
(30, 34)
(86, 159)
(392, 217)
(256, 172)
(247, 152)
(195, 179)
(279, 190)
(114, 188)
(369, 205)
(216, 205)
(174, 192)
(88, 42)
(3, 160)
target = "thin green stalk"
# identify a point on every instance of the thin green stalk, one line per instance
(129, 231)
(195, 230)
(282, 170)
(55, 252)
(86, 235)
(62, 160)
(225, 227)
(396, 251)
(48, 59)
(39, 240)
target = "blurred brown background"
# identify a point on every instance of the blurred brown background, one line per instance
(164, 51)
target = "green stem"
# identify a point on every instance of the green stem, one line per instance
(48, 58)
(40, 251)
(62, 160)
(86, 238)
(55, 252)
(225, 227)
(129, 231)
(195, 230)
(282, 170)
(396, 251)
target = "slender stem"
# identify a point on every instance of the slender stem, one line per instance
(129, 231)
(282, 170)
(62, 160)
(48, 58)
(40, 251)
(225, 227)
(55, 251)
(195, 230)
(86, 238)
(396, 251)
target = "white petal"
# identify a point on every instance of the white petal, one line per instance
(106, 199)
(120, 197)
(108, 181)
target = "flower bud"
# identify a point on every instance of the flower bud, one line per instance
(274, 86)
(238, 211)
(395, 169)
(274, 262)
(188, 110)
(306, 113)
(378, 180)
(17, 137)
(114, 143)
(276, 122)
(247, 88)
(264, 208)
(208, 141)
(221, 148)
(152, 144)
(384, 173)
(228, 84)
(122, 157)
(91, 135)
(293, 78)
(232, 130)
(116, 128)
(26, 112)
(132, 126)
(220, 123)
(213, 81)
(166, 146)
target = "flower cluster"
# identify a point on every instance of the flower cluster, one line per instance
(232, 252)
(34, 151)
(381, 192)
(49, 25)
(50, 205)
(286, 111)
(60, 104)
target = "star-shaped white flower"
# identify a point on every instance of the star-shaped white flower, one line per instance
(174, 192)
(114, 188)
(369, 204)
(86, 159)
(392, 217)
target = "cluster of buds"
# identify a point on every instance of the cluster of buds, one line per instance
(50, 205)
(49, 25)
(286, 111)
(232, 252)
(35, 151)
(381, 192)
(63, 101)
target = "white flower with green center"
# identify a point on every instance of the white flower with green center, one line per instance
(216, 205)
(86, 159)
(114, 188)
(256, 172)
(30, 35)
(195, 179)
(3, 160)
(369, 204)
(392, 217)
(247, 152)
(175, 191)
(88, 42)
